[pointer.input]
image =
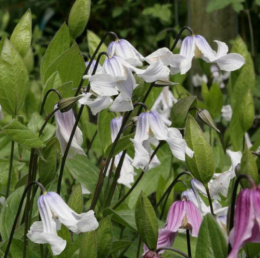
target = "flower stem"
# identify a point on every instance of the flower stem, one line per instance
(210, 201)
(46, 96)
(179, 36)
(139, 247)
(188, 242)
(66, 152)
(91, 142)
(10, 170)
(18, 213)
(173, 250)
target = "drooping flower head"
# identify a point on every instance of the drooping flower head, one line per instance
(54, 211)
(64, 124)
(247, 220)
(197, 46)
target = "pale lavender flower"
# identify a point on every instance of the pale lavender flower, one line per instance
(125, 49)
(197, 46)
(54, 211)
(197, 79)
(64, 124)
(227, 112)
(150, 125)
(247, 220)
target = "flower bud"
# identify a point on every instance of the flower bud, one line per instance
(205, 116)
(67, 103)
(152, 254)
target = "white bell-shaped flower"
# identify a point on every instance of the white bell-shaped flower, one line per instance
(53, 211)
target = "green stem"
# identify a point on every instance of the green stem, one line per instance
(173, 250)
(46, 96)
(10, 170)
(210, 201)
(188, 242)
(139, 247)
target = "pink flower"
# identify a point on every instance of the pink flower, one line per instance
(247, 220)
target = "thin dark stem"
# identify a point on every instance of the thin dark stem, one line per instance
(18, 213)
(171, 186)
(93, 57)
(47, 119)
(138, 179)
(179, 36)
(109, 175)
(91, 142)
(146, 96)
(141, 104)
(10, 170)
(251, 32)
(66, 152)
(210, 201)
(173, 250)
(188, 242)
(139, 247)
(46, 96)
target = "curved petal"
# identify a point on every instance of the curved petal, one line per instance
(122, 103)
(230, 62)
(111, 49)
(243, 222)
(165, 238)
(127, 86)
(115, 126)
(208, 54)
(188, 47)
(194, 217)
(161, 54)
(222, 48)
(142, 157)
(157, 126)
(142, 128)
(38, 236)
(175, 216)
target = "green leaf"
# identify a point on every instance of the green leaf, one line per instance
(201, 165)
(248, 165)
(180, 111)
(146, 222)
(98, 243)
(123, 217)
(48, 162)
(93, 41)
(123, 144)
(257, 2)
(211, 240)
(17, 247)
(22, 34)
(13, 79)
(215, 5)
(70, 66)
(76, 199)
(84, 171)
(8, 212)
(23, 135)
(103, 127)
(79, 16)
(119, 245)
(59, 44)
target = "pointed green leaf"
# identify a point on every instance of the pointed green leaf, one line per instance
(201, 165)
(146, 221)
(119, 246)
(180, 111)
(211, 240)
(22, 35)
(88, 245)
(59, 44)
(23, 135)
(76, 199)
(79, 16)
(13, 79)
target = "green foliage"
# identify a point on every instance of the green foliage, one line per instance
(215, 5)
(201, 165)
(13, 79)
(76, 199)
(211, 240)
(163, 12)
(78, 17)
(146, 221)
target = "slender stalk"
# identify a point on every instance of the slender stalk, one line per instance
(171, 186)
(46, 96)
(188, 242)
(251, 32)
(138, 179)
(66, 152)
(91, 142)
(179, 36)
(93, 57)
(109, 175)
(18, 214)
(173, 250)
(210, 201)
(145, 97)
(139, 247)
(10, 170)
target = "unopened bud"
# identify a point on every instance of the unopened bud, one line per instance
(205, 116)
(66, 104)
(152, 254)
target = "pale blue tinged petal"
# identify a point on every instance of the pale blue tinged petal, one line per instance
(142, 157)
(208, 54)
(115, 126)
(142, 128)
(157, 126)
(230, 62)
(122, 103)
(222, 48)
(111, 48)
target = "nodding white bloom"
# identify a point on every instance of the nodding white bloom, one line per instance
(218, 76)
(54, 211)
(197, 46)
(197, 80)
(220, 182)
(150, 125)
(64, 124)
(219, 211)
(166, 56)
(226, 112)
(127, 172)
(163, 104)
(125, 49)
(91, 68)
